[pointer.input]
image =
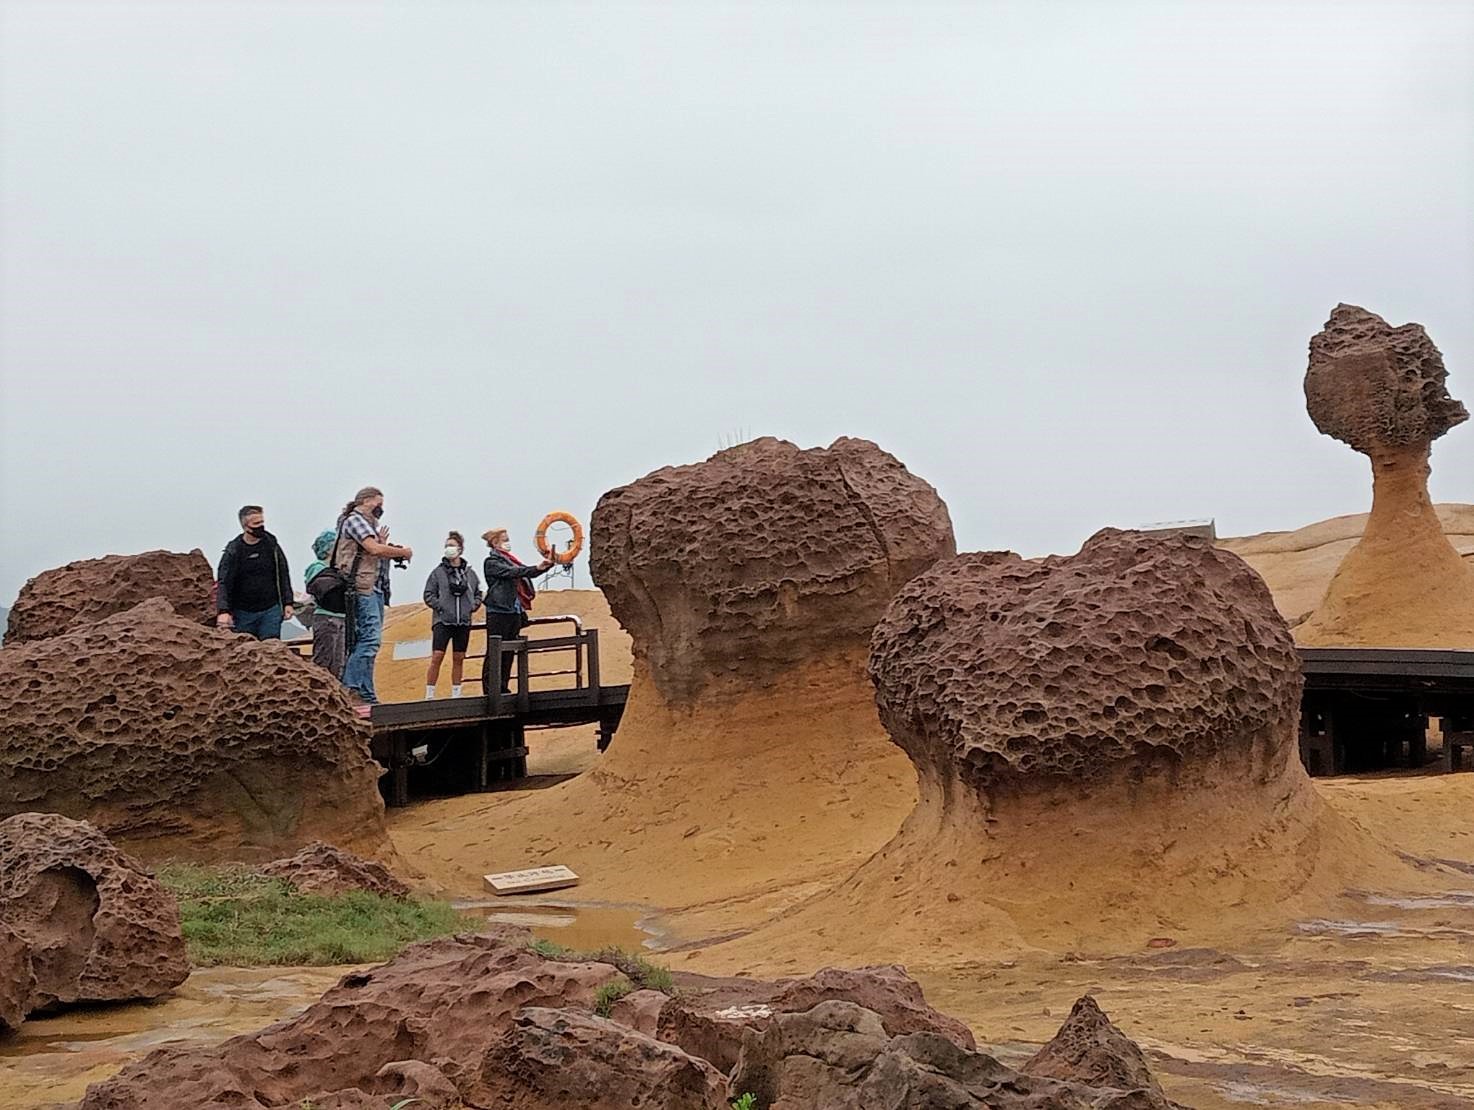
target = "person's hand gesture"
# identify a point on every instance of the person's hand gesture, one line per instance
(409, 553)
(545, 566)
(286, 613)
(383, 533)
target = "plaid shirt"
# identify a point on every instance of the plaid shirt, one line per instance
(358, 528)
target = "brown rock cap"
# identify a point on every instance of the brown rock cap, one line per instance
(323, 869)
(1372, 385)
(91, 590)
(96, 925)
(998, 670)
(159, 729)
(761, 557)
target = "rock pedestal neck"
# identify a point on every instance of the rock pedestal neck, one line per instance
(1381, 390)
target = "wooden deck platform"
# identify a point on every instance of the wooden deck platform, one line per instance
(1368, 709)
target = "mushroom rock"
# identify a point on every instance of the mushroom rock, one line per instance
(178, 740)
(1106, 747)
(91, 590)
(94, 925)
(750, 757)
(1381, 390)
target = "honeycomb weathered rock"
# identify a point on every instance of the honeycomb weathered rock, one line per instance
(997, 670)
(1372, 386)
(324, 869)
(90, 590)
(97, 927)
(762, 556)
(175, 738)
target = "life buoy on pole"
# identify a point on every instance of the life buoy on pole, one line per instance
(562, 558)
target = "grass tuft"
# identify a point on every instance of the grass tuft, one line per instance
(610, 993)
(638, 970)
(234, 917)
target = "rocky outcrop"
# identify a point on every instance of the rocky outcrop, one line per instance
(1382, 391)
(175, 739)
(85, 592)
(761, 557)
(839, 1055)
(1141, 651)
(564, 1059)
(480, 1021)
(710, 1019)
(323, 869)
(752, 580)
(80, 921)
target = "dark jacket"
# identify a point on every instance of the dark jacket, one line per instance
(228, 575)
(501, 582)
(447, 606)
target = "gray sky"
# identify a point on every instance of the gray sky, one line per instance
(1062, 259)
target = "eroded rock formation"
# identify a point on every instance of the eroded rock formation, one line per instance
(480, 1021)
(91, 590)
(750, 755)
(323, 869)
(1382, 391)
(175, 739)
(80, 921)
(761, 557)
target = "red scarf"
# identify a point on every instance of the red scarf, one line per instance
(525, 589)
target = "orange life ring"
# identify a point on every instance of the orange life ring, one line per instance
(562, 558)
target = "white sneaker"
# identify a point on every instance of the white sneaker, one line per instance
(429, 693)
(455, 691)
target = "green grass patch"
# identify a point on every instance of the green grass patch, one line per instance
(233, 917)
(641, 973)
(610, 993)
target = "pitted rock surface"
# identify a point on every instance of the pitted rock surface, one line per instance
(996, 669)
(445, 1003)
(91, 590)
(323, 869)
(1090, 1049)
(17, 979)
(1374, 386)
(709, 1018)
(169, 735)
(838, 1055)
(97, 927)
(565, 1060)
(761, 557)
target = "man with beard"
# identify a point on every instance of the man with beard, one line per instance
(254, 594)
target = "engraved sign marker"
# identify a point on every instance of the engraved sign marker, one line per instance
(531, 881)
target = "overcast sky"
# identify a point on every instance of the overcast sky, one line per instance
(1062, 259)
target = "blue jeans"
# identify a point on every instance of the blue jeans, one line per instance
(368, 630)
(265, 625)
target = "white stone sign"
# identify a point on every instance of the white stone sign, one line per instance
(532, 880)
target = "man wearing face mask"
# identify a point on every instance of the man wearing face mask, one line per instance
(363, 558)
(254, 594)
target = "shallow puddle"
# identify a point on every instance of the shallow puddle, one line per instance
(583, 928)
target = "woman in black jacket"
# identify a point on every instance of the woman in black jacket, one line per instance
(453, 594)
(509, 592)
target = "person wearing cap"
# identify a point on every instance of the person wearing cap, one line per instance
(509, 592)
(453, 593)
(327, 626)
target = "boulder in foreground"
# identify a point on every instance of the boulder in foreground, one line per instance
(80, 921)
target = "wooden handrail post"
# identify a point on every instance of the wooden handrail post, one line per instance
(491, 674)
(591, 646)
(523, 676)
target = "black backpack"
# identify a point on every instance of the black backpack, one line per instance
(329, 587)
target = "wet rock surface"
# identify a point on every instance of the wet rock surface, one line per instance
(323, 869)
(762, 556)
(484, 1021)
(1140, 649)
(91, 590)
(80, 921)
(176, 739)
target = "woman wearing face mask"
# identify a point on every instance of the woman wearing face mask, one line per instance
(453, 593)
(509, 592)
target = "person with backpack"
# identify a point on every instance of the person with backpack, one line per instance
(453, 593)
(253, 592)
(327, 626)
(509, 593)
(362, 560)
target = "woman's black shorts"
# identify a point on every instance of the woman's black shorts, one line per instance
(458, 638)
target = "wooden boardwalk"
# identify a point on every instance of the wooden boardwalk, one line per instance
(1368, 709)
